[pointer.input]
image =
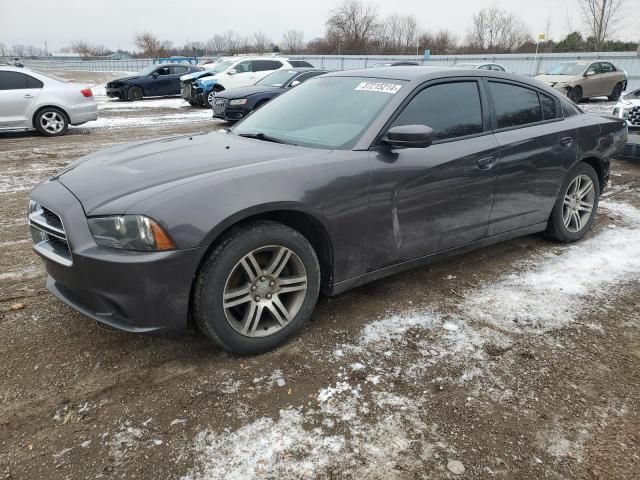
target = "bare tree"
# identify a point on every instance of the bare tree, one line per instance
(293, 41)
(232, 42)
(148, 43)
(82, 48)
(18, 50)
(602, 18)
(4, 51)
(217, 44)
(352, 24)
(494, 29)
(260, 42)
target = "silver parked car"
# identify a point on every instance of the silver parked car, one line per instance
(495, 67)
(32, 100)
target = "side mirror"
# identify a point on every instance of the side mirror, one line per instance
(410, 136)
(295, 83)
(589, 73)
(155, 74)
(233, 71)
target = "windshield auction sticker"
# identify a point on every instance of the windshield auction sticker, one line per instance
(391, 88)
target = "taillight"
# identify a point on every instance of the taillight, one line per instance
(86, 92)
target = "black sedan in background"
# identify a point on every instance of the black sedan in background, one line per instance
(153, 81)
(345, 179)
(236, 103)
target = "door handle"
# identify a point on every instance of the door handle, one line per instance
(566, 141)
(28, 95)
(485, 163)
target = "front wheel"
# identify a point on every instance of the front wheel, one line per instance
(134, 94)
(615, 94)
(257, 288)
(576, 206)
(575, 94)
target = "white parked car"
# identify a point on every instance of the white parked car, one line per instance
(32, 100)
(496, 67)
(628, 108)
(200, 88)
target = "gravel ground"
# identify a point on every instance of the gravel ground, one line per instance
(514, 361)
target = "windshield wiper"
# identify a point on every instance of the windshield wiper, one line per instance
(263, 137)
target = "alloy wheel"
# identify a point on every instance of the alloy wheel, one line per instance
(210, 98)
(264, 291)
(579, 200)
(52, 122)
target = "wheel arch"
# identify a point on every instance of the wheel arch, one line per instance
(309, 224)
(49, 105)
(598, 166)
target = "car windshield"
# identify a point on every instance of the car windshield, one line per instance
(567, 69)
(148, 70)
(277, 79)
(327, 112)
(219, 67)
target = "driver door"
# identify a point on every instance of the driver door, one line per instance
(426, 200)
(591, 83)
(161, 84)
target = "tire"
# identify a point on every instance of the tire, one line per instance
(51, 122)
(134, 94)
(193, 103)
(209, 99)
(225, 272)
(615, 94)
(557, 228)
(575, 94)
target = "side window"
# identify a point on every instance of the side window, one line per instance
(497, 68)
(515, 105)
(12, 81)
(594, 67)
(243, 67)
(549, 107)
(163, 71)
(179, 70)
(275, 65)
(306, 76)
(606, 68)
(261, 65)
(484, 67)
(451, 109)
(33, 82)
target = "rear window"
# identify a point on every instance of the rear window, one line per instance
(514, 105)
(549, 107)
(300, 63)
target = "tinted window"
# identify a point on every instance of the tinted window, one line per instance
(606, 68)
(549, 108)
(497, 68)
(307, 76)
(300, 63)
(515, 105)
(164, 71)
(262, 65)
(243, 67)
(451, 109)
(12, 81)
(33, 82)
(484, 67)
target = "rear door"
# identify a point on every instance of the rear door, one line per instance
(424, 200)
(18, 94)
(609, 78)
(176, 73)
(537, 147)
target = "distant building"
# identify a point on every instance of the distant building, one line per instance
(64, 55)
(120, 56)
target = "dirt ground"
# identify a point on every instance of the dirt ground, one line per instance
(518, 361)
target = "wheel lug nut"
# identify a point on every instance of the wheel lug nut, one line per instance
(262, 279)
(253, 289)
(272, 284)
(268, 295)
(257, 297)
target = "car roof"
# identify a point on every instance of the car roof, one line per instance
(175, 64)
(11, 68)
(420, 74)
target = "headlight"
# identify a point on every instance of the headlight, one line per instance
(238, 101)
(130, 232)
(564, 85)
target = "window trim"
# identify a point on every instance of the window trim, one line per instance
(494, 115)
(484, 109)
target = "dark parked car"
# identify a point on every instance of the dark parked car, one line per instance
(347, 178)
(153, 81)
(236, 103)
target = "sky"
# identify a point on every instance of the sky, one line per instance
(112, 23)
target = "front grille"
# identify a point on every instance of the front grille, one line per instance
(219, 106)
(186, 90)
(48, 234)
(634, 117)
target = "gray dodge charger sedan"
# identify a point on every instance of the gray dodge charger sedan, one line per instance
(345, 179)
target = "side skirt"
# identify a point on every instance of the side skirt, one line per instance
(345, 285)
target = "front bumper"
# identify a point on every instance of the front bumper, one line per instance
(116, 92)
(131, 291)
(632, 148)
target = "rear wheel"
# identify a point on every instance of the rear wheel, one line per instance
(257, 288)
(576, 206)
(51, 122)
(615, 94)
(575, 94)
(134, 94)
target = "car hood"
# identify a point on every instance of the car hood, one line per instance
(112, 180)
(242, 92)
(555, 78)
(194, 75)
(124, 79)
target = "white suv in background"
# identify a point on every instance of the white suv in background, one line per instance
(231, 73)
(32, 100)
